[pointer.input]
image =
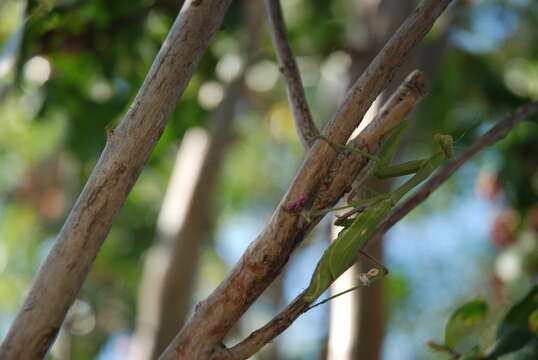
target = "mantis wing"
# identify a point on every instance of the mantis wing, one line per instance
(341, 254)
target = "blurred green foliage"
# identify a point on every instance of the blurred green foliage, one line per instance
(517, 333)
(69, 68)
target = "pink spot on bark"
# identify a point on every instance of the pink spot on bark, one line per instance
(297, 205)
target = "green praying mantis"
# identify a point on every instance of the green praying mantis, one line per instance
(357, 231)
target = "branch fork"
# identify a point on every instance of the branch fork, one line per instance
(323, 180)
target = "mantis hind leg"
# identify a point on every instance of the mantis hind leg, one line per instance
(365, 280)
(374, 261)
(350, 148)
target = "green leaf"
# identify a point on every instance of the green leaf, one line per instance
(533, 321)
(473, 354)
(461, 331)
(529, 352)
(510, 342)
(519, 316)
(518, 326)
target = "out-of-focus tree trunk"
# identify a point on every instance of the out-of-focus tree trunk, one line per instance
(358, 319)
(274, 294)
(185, 222)
(62, 345)
(183, 226)
(173, 225)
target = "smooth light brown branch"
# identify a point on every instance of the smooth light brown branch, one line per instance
(255, 341)
(306, 128)
(267, 255)
(495, 134)
(128, 147)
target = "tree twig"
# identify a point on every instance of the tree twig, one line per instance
(298, 306)
(306, 128)
(266, 256)
(128, 147)
(255, 341)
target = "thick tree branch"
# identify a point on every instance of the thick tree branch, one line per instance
(127, 150)
(266, 256)
(495, 134)
(298, 306)
(301, 113)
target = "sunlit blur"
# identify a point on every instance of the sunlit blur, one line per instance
(37, 70)
(210, 94)
(262, 76)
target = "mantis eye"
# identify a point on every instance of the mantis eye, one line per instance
(446, 142)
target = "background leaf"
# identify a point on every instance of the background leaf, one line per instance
(515, 330)
(463, 327)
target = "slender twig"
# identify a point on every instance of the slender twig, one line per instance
(495, 134)
(306, 128)
(288, 315)
(255, 341)
(442, 348)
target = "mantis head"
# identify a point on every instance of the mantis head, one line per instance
(447, 144)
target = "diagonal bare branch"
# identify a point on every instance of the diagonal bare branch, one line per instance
(306, 128)
(255, 341)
